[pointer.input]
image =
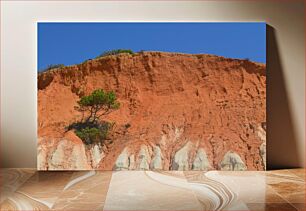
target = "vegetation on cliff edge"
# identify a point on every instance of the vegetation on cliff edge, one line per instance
(115, 52)
(52, 66)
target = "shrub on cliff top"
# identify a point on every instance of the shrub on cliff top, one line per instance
(115, 52)
(52, 66)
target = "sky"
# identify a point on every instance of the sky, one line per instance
(73, 43)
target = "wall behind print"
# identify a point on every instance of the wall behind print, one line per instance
(285, 64)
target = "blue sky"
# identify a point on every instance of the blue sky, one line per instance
(72, 43)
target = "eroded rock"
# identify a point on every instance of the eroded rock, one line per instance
(132, 162)
(96, 154)
(232, 162)
(201, 161)
(42, 157)
(261, 133)
(68, 155)
(263, 155)
(122, 162)
(157, 163)
(181, 158)
(143, 158)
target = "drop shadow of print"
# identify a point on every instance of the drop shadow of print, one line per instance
(281, 138)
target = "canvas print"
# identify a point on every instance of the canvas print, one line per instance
(151, 96)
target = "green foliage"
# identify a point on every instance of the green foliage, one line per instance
(115, 52)
(100, 98)
(98, 103)
(92, 133)
(95, 105)
(89, 135)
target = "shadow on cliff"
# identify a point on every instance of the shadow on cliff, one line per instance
(281, 139)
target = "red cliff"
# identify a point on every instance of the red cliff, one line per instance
(185, 112)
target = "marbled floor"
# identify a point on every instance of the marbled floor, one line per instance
(27, 189)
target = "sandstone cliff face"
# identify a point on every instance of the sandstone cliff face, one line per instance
(185, 112)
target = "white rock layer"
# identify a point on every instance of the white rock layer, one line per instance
(143, 158)
(122, 162)
(96, 154)
(201, 161)
(68, 156)
(181, 158)
(232, 162)
(157, 163)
